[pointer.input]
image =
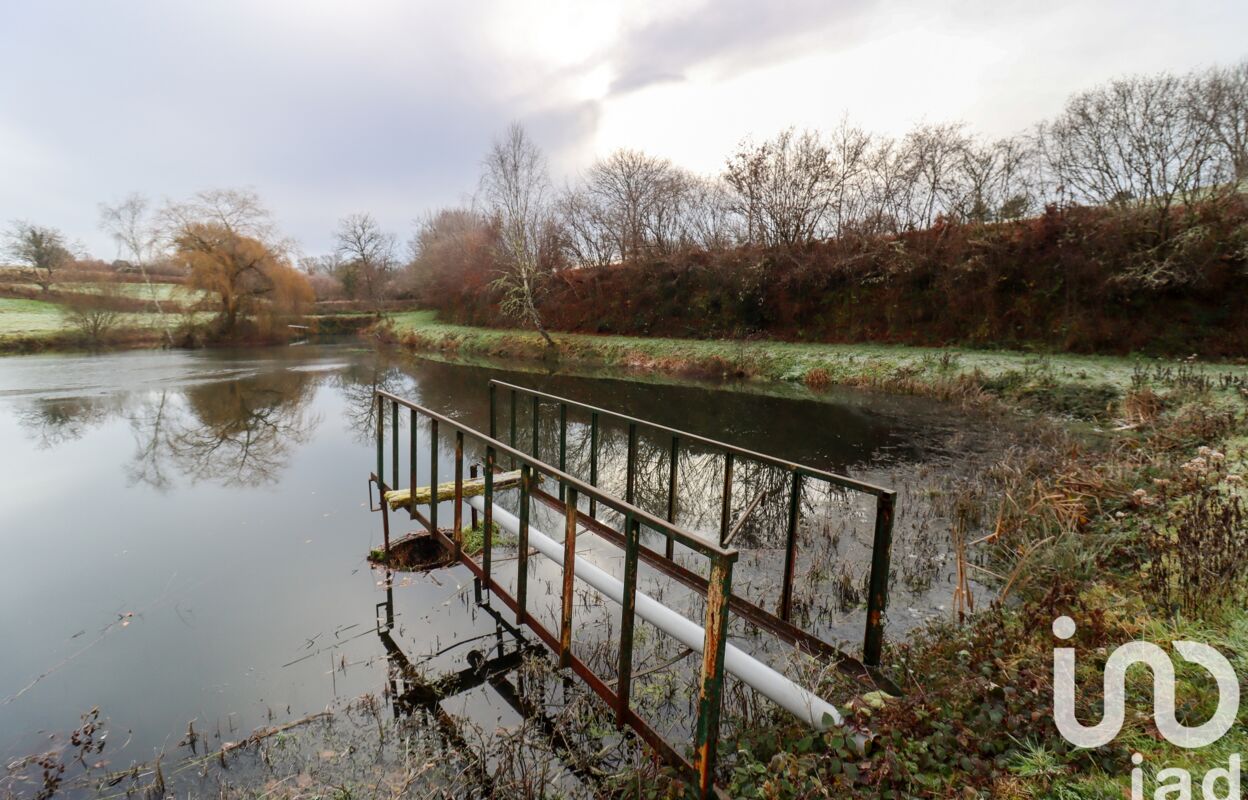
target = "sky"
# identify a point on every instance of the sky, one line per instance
(387, 106)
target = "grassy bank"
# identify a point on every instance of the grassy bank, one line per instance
(1080, 386)
(1137, 537)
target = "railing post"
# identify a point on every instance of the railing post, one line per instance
(522, 544)
(593, 462)
(569, 577)
(672, 468)
(877, 594)
(563, 444)
(458, 535)
(790, 547)
(433, 475)
(710, 691)
(411, 464)
(632, 541)
(725, 511)
(487, 522)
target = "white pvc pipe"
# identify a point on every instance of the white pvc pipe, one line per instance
(799, 702)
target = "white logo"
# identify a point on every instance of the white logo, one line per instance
(1163, 691)
(1172, 782)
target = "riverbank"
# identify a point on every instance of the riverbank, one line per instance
(1138, 537)
(1065, 385)
(45, 326)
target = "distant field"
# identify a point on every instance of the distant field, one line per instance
(36, 318)
(29, 318)
(162, 292)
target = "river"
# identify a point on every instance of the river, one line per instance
(185, 533)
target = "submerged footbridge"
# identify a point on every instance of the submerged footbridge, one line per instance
(556, 508)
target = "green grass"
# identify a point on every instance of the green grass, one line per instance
(161, 292)
(37, 319)
(795, 362)
(29, 318)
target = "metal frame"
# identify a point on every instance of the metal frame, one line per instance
(779, 623)
(701, 773)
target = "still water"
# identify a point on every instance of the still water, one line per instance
(184, 533)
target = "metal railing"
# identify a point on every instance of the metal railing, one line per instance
(571, 489)
(779, 623)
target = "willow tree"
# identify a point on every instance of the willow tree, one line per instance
(227, 241)
(248, 277)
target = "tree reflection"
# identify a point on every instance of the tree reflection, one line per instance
(236, 433)
(57, 420)
(358, 384)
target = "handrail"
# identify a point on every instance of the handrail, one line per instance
(843, 481)
(691, 540)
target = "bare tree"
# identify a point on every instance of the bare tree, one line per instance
(783, 186)
(849, 149)
(710, 221)
(1221, 100)
(1137, 140)
(95, 314)
(41, 250)
(515, 190)
(995, 181)
(367, 256)
(138, 239)
(935, 153)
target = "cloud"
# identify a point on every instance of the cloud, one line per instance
(327, 108)
(732, 35)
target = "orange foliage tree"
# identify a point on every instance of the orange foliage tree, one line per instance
(249, 278)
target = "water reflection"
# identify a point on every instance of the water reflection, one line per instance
(238, 432)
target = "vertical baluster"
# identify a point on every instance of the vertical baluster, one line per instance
(632, 541)
(458, 535)
(630, 465)
(569, 566)
(593, 462)
(412, 419)
(563, 444)
(433, 474)
(536, 427)
(394, 443)
(790, 547)
(710, 690)
(493, 411)
(487, 522)
(672, 467)
(512, 437)
(381, 446)
(522, 547)
(725, 511)
(877, 592)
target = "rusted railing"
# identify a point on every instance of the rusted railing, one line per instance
(779, 623)
(571, 489)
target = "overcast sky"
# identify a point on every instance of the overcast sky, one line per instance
(327, 108)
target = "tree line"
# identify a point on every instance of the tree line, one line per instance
(1147, 144)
